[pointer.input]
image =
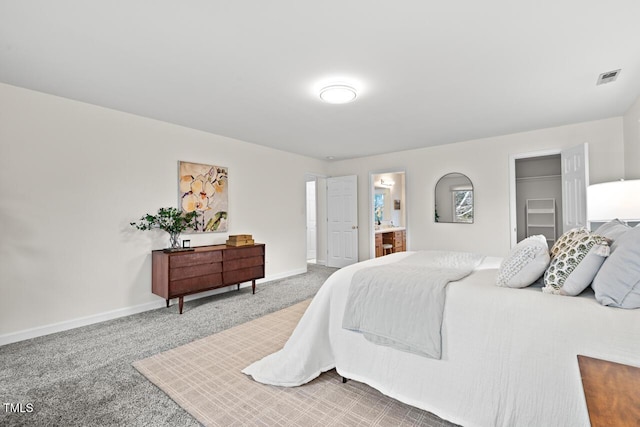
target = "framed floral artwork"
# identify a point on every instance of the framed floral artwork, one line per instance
(203, 188)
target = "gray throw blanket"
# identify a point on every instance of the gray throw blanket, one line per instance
(401, 305)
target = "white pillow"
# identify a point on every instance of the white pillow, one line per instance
(617, 284)
(613, 230)
(575, 259)
(525, 263)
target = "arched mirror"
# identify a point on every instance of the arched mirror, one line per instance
(454, 199)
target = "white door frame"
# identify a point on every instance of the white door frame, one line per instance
(513, 210)
(372, 191)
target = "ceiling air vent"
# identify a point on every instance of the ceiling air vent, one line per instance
(608, 77)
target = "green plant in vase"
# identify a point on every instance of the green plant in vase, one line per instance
(172, 220)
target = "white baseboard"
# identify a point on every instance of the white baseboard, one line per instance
(77, 322)
(283, 275)
(126, 311)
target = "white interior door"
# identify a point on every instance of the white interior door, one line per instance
(342, 220)
(312, 228)
(575, 180)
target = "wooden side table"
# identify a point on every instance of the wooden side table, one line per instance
(612, 392)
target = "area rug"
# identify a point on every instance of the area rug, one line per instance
(204, 378)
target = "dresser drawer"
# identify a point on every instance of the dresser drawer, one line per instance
(194, 271)
(243, 252)
(194, 284)
(187, 259)
(243, 275)
(237, 264)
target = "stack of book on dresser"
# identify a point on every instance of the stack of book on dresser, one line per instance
(240, 240)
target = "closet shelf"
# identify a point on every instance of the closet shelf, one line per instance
(541, 211)
(541, 218)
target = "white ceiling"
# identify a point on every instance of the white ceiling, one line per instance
(428, 72)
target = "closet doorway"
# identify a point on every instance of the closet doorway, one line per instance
(548, 192)
(539, 197)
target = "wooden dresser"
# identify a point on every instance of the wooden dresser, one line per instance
(611, 391)
(176, 274)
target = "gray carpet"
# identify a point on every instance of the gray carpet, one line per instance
(84, 377)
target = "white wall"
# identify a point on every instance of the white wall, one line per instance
(397, 215)
(72, 177)
(632, 142)
(486, 163)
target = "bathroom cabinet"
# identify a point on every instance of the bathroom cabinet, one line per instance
(378, 245)
(397, 237)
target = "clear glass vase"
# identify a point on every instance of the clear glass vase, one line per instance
(174, 240)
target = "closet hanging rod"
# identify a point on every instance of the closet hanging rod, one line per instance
(532, 178)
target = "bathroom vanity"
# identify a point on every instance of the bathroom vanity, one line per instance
(395, 236)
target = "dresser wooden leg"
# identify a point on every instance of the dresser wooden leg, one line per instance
(253, 286)
(180, 304)
(167, 303)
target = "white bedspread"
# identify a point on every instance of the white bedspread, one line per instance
(402, 304)
(508, 355)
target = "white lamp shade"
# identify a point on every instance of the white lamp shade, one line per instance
(611, 200)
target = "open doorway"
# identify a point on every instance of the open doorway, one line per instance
(539, 197)
(312, 228)
(316, 218)
(538, 205)
(388, 212)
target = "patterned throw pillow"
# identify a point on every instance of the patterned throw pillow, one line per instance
(525, 263)
(565, 241)
(575, 260)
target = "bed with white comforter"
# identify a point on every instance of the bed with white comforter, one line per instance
(508, 356)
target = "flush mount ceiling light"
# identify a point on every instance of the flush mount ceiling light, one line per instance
(338, 94)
